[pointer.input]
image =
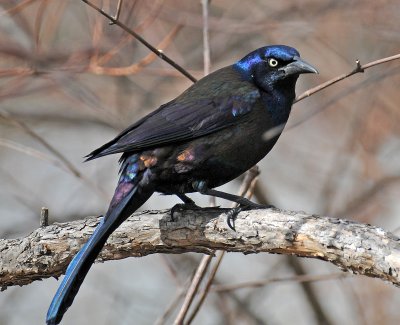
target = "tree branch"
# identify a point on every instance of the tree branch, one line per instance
(157, 52)
(354, 247)
(358, 69)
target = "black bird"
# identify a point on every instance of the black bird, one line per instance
(210, 134)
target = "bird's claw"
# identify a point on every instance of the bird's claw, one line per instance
(232, 215)
(234, 212)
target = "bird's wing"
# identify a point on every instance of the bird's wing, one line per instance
(187, 117)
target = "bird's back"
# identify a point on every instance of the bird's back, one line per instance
(211, 104)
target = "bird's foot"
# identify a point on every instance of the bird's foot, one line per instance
(234, 212)
(182, 207)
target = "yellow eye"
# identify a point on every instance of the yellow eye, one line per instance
(272, 62)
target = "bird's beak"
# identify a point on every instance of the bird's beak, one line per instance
(298, 66)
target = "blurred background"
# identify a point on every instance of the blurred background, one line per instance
(70, 82)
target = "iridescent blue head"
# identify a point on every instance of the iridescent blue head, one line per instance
(273, 66)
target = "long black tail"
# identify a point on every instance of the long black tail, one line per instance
(81, 263)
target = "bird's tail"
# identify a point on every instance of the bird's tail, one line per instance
(125, 202)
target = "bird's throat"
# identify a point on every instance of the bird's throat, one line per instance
(278, 104)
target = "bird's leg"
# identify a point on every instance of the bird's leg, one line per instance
(188, 204)
(235, 198)
(243, 203)
(185, 199)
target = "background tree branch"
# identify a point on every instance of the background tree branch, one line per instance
(354, 247)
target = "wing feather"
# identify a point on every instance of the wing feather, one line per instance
(206, 107)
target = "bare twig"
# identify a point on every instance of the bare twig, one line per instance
(69, 166)
(38, 22)
(206, 289)
(262, 283)
(136, 67)
(171, 269)
(159, 53)
(32, 152)
(194, 286)
(206, 44)
(359, 68)
(116, 17)
(240, 305)
(172, 305)
(127, 38)
(8, 117)
(18, 7)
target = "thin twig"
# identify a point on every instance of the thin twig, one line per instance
(206, 44)
(116, 17)
(38, 23)
(17, 8)
(153, 14)
(69, 166)
(172, 305)
(159, 53)
(32, 152)
(180, 293)
(171, 269)
(262, 283)
(206, 289)
(136, 67)
(240, 304)
(193, 288)
(358, 69)
(8, 117)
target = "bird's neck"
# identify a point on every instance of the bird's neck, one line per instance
(278, 103)
(277, 96)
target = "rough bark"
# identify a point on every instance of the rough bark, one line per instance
(354, 247)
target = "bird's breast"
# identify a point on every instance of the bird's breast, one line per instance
(218, 157)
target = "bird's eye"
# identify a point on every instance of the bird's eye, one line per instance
(272, 62)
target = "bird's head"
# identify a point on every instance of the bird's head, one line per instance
(273, 66)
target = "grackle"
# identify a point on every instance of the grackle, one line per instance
(210, 134)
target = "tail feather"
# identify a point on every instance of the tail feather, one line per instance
(81, 263)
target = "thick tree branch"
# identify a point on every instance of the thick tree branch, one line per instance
(354, 247)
